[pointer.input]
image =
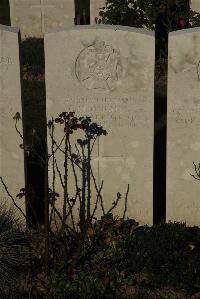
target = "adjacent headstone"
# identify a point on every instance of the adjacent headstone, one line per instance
(11, 155)
(107, 72)
(195, 5)
(35, 17)
(95, 7)
(183, 126)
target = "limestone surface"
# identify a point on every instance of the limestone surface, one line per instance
(11, 155)
(195, 5)
(183, 126)
(35, 17)
(95, 7)
(107, 72)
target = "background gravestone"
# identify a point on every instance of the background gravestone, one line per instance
(34, 17)
(11, 156)
(183, 126)
(108, 73)
(195, 5)
(95, 6)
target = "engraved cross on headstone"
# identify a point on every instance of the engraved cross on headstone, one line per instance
(100, 158)
(42, 6)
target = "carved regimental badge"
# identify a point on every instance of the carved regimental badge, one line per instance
(98, 67)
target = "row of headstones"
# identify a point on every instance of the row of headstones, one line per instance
(107, 73)
(35, 17)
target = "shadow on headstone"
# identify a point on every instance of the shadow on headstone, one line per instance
(5, 12)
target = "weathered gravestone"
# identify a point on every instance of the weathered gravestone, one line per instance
(107, 72)
(11, 155)
(34, 17)
(95, 7)
(183, 126)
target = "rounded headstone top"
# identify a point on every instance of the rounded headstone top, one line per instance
(100, 27)
(184, 31)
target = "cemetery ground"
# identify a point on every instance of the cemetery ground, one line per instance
(117, 259)
(113, 258)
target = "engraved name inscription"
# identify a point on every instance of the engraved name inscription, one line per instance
(122, 112)
(98, 67)
(185, 117)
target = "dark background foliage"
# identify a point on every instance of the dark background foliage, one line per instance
(4, 12)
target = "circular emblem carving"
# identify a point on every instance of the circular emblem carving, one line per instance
(98, 67)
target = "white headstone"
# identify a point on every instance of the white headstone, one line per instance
(107, 72)
(11, 155)
(95, 7)
(183, 126)
(35, 17)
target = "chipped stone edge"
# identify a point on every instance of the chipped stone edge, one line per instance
(9, 28)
